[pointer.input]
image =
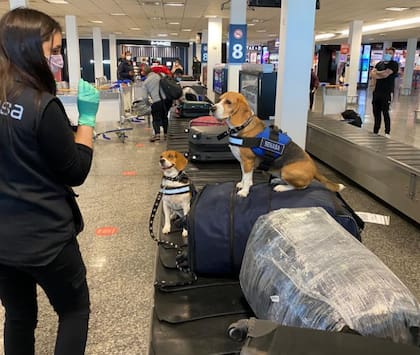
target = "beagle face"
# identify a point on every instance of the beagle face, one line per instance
(171, 161)
(230, 103)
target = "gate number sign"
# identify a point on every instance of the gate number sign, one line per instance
(237, 43)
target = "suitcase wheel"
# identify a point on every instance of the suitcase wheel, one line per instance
(238, 331)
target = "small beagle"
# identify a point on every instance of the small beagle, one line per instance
(256, 146)
(175, 187)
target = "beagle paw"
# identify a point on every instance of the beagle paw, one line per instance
(184, 233)
(239, 185)
(243, 193)
(166, 229)
(281, 188)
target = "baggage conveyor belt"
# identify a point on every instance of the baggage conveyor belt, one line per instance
(193, 319)
(388, 169)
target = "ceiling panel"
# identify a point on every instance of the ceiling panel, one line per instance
(333, 17)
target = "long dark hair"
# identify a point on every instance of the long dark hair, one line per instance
(22, 60)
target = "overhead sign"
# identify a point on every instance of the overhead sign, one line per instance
(237, 43)
(160, 43)
(204, 53)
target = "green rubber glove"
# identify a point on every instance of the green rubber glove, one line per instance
(87, 103)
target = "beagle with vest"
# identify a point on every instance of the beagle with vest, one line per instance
(256, 146)
(176, 188)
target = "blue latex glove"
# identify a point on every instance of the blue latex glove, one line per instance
(87, 103)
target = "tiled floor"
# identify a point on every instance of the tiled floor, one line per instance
(120, 192)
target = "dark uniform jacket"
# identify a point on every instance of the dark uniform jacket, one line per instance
(38, 162)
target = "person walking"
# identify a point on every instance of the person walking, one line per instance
(196, 68)
(160, 104)
(384, 74)
(41, 157)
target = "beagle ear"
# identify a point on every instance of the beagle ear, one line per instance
(181, 162)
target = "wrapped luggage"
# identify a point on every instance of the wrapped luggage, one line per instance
(302, 269)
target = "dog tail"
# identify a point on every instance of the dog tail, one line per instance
(329, 184)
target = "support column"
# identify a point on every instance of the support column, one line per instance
(237, 26)
(188, 70)
(98, 54)
(409, 67)
(386, 44)
(113, 57)
(73, 51)
(18, 3)
(294, 70)
(355, 40)
(214, 51)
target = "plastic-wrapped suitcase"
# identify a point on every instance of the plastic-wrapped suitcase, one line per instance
(203, 144)
(302, 269)
(193, 109)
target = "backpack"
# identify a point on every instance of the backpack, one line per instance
(170, 87)
(352, 117)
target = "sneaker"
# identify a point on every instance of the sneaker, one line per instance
(387, 135)
(154, 138)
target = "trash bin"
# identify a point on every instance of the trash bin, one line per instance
(334, 98)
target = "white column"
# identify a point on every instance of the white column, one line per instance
(294, 70)
(98, 54)
(73, 51)
(18, 3)
(409, 66)
(214, 51)
(386, 44)
(237, 17)
(113, 57)
(355, 40)
(190, 59)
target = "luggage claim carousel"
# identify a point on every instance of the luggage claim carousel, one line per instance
(194, 317)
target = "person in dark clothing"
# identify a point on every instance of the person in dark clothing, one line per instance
(196, 68)
(125, 68)
(41, 157)
(314, 84)
(384, 74)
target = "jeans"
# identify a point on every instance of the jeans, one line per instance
(64, 282)
(160, 111)
(380, 106)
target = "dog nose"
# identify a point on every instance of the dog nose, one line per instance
(213, 108)
(161, 161)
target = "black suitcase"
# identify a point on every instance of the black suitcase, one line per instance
(266, 338)
(203, 144)
(194, 109)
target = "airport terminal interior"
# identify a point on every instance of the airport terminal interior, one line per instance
(117, 199)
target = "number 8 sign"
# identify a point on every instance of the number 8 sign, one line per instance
(237, 43)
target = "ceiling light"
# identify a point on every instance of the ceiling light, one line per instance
(151, 3)
(118, 14)
(174, 33)
(173, 23)
(261, 31)
(135, 28)
(272, 35)
(118, 33)
(61, 2)
(175, 4)
(323, 36)
(251, 24)
(156, 18)
(96, 21)
(399, 9)
(186, 29)
(162, 35)
(391, 24)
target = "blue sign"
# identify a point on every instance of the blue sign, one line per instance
(237, 43)
(204, 54)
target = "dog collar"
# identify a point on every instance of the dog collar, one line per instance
(175, 190)
(235, 130)
(181, 177)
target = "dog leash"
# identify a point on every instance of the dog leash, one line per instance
(169, 244)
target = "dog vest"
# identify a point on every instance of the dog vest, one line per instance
(268, 145)
(177, 190)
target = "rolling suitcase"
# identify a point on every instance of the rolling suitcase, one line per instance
(193, 109)
(207, 121)
(203, 144)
